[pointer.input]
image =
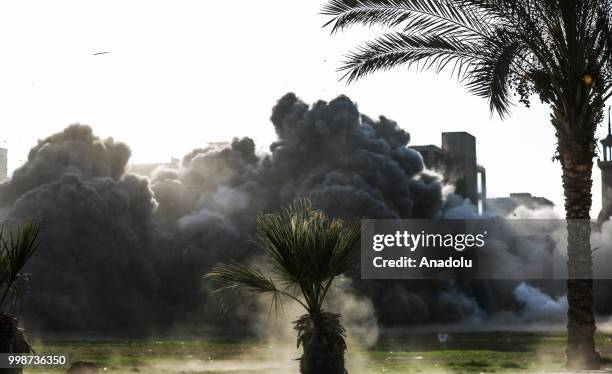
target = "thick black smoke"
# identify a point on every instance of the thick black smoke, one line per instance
(125, 254)
(347, 163)
(97, 266)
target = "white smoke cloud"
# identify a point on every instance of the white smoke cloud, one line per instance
(538, 306)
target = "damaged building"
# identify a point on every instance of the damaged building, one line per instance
(457, 162)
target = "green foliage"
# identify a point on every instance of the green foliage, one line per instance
(506, 352)
(16, 248)
(560, 50)
(305, 251)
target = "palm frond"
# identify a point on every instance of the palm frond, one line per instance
(15, 251)
(471, 38)
(543, 47)
(241, 275)
(306, 244)
(419, 16)
(251, 279)
(306, 251)
(490, 78)
(395, 49)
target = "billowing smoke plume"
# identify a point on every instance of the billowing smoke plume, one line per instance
(344, 162)
(123, 252)
(126, 253)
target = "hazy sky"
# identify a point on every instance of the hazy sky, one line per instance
(180, 73)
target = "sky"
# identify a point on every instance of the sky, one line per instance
(181, 73)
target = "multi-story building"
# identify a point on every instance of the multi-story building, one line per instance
(3, 164)
(606, 175)
(456, 161)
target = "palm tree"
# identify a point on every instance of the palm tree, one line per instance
(16, 248)
(305, 252)
(558, 49)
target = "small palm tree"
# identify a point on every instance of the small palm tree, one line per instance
(16, 248)
(558, 49)
(305, 252)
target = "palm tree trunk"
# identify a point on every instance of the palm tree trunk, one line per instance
(12, 340)
(322, 339)
(576, 153)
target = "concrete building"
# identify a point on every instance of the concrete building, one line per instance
(606, 174)
(457, 161)
(3, 164)
(148, 169)
(503, 206)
